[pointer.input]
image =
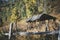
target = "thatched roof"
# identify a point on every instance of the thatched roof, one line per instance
(40, 17)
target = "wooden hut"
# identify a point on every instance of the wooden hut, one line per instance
(41, 18)
(46, 19)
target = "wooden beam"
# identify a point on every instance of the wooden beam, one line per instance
(33, 33)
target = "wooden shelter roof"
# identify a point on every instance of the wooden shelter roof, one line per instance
(40, 17)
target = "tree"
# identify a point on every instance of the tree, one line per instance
(13, 15)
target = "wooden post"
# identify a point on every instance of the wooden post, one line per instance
(10, 30)
(58, 22)
(46, 29)
(46, 25)
(59, 32)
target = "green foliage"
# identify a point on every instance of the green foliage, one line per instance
(26, 8)
(13, 15)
